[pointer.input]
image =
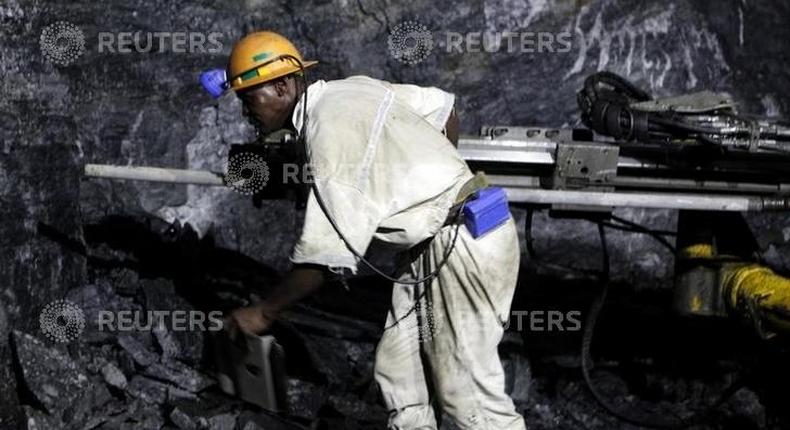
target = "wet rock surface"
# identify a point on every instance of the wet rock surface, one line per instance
(133, 246)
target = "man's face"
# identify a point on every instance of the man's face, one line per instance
(269, 106)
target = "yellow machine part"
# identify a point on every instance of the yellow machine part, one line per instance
(699, 250)
(697, 287)
(759, 293)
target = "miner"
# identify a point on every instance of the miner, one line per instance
(386, 169)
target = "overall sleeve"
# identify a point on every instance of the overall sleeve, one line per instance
(431, 103)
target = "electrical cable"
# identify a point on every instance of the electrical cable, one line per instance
(594, 312)
(591, 321)
(370, 265)
(607, 106)
(657, 235)
(425, 290)
(641, 227)
(682, 125)
(533, 255)
(615, 226)
(587, 338)
(301, 141)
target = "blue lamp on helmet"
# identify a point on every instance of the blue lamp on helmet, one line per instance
(214, 81)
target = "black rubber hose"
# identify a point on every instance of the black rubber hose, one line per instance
(658, 236)
(682, 125)
(586, 356)
(587, 362)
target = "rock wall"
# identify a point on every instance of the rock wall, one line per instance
(146, 108)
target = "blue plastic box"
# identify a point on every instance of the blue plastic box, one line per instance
(487, 211)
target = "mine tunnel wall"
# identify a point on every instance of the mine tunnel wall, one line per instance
(148, 109)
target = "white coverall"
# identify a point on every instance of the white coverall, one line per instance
(386, 172)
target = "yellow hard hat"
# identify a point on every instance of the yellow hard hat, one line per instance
(260, 57)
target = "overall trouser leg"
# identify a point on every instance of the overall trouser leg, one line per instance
(399, 370)
(467, 307)
(449, 330)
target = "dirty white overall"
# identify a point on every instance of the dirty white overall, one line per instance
(385, 172)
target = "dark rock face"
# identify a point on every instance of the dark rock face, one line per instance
(39, 364)
(63, 237)
(39, 194)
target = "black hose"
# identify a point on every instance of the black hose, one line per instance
(536, 259)
(682, 125)
(615, 226)
(594, 312)
(606, 101)
(657, 235)
(586, 356)
(528, 239)
(620, 85)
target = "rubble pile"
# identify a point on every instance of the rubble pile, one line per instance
(150, 376)
(155, 377)
(159, 378)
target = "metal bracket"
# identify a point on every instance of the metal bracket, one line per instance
(584, 164)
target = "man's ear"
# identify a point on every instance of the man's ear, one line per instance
(281, 86)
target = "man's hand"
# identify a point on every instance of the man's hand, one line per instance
(252, 320)
(302, 280)
(451, 128)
